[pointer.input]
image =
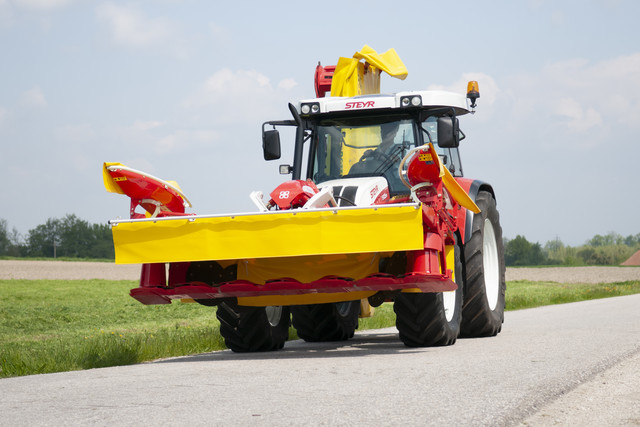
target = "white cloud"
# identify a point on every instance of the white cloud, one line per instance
(581, 96)
(13, 12)
(578, 118)
(33, 98)
(230, 96)
(130, 27)
(41, 5)
(241, 82)
(287, 84)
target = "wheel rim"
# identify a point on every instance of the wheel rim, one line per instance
(274, 313)
(449, 303)
(343, 308)
(491, 264)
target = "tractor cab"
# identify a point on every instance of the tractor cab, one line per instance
(355, 145)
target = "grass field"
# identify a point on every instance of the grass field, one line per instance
(60, 325)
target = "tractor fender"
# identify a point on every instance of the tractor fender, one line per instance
(474, 188)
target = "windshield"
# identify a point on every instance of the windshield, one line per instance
(362, 147)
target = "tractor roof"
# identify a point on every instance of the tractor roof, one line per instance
(401, 100)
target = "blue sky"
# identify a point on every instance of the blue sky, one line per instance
(180, 88)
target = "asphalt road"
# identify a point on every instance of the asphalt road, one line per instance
(576, 364)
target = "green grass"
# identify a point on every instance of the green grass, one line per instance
(58, 325)
(524, 294)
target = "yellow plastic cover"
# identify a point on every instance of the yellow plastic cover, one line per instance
(350, 79)
(458, 193)
(272, 235)
(110, 186)
(452, 186)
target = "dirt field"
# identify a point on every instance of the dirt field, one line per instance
(110, 271)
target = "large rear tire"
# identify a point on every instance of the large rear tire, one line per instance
(249, 329)
(326, 322)
(484, 299)
(431, 319)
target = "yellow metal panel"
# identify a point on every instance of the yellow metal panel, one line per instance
(450, 256)
(282, 234)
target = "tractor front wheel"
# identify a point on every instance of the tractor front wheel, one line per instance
(249, 329)
(484, 299)
(326, 322)
(430, 319)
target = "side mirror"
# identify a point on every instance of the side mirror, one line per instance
(448, 132)
(271, 144)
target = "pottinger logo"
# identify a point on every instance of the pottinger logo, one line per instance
(359, 104)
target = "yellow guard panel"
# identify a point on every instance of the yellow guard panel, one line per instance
(278, 234)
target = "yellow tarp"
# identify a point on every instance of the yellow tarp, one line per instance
(309, 268)
(273, 235)
(350, 79)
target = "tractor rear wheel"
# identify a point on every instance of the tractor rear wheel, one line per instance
(326, 322)
(249, 329)
(431, 319)
(484, 299)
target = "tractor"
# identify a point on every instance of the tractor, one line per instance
(377, 211)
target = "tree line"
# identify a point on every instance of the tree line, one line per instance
(610, 249)
(68, 237)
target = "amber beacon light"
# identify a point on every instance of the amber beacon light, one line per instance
(473, 92)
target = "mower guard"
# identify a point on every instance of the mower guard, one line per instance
(330, 231)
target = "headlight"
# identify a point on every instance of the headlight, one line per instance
(411, 101)
(310, 108)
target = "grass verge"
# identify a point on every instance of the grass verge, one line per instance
(525, 294)
(61, 325)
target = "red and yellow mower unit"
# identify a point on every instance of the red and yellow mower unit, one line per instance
(378, 212)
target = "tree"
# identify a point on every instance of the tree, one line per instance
(610, 238)
(44, 239)
(103, 245)
(76, 237)
(11, 243)
(4, 237)
(70, 237)
(632, 240)
(519, 251)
